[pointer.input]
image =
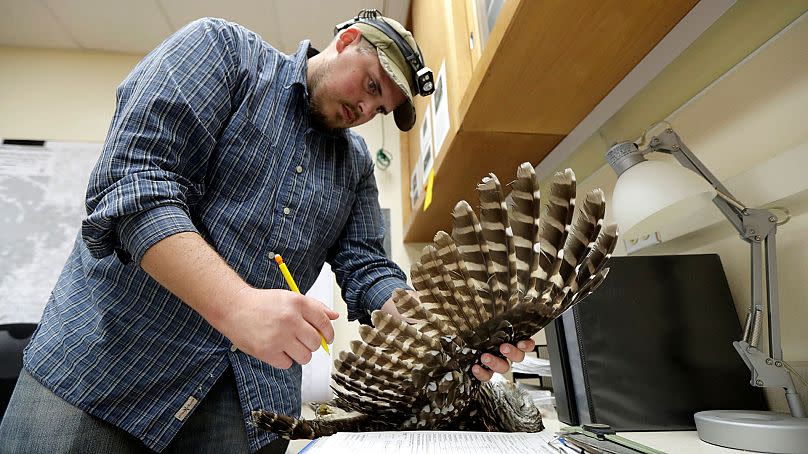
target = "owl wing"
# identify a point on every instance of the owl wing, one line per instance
(499, 277)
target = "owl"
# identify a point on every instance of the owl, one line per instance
(501, 276)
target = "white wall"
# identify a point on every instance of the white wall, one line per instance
(59, 94)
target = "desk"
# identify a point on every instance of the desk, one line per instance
(674, 442)
(677, 441)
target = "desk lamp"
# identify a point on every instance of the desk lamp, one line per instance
(649, 194)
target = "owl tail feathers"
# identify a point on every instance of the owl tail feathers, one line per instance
(285, 426)
(292, 428)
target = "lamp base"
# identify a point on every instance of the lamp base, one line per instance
(762, 431)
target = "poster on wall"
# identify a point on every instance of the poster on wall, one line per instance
(42, 192)
(415, 185)
(440, 109)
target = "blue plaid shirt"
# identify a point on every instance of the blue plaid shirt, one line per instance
(211, 134)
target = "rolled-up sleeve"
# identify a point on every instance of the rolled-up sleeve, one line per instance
(367, 277)
(152, 169)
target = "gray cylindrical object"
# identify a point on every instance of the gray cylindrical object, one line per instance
(762, 431)
(795, 404)
(622, 156)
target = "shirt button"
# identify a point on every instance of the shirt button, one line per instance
(271, 255)
(233, 347)
(299, 169)
(286, 210)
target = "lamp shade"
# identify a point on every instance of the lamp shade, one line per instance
(654, 194)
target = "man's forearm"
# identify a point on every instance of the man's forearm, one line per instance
(192, 270)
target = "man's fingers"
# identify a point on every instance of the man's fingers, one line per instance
(512, 353)
(319, 316)
(526, 345)
(495, 364)
(481, 373)
(309, 337)
(281, 361)
(298, 352)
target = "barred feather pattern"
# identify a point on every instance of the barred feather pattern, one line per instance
(498, 236)
(496, 278)
(461, 283)
(468, 236)
(554, 226)
(524, 214)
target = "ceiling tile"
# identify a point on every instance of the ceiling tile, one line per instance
(116, 25)
(299, 23)
(29, 23)
(256, 15)
(137, 26)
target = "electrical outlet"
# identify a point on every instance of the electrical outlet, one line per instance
(635, 244)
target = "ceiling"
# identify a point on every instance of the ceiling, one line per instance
(137, 26)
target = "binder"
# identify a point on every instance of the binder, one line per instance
(651, 347)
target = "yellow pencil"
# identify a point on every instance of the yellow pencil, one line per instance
(291, 282)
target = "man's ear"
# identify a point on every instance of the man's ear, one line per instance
(346, 38)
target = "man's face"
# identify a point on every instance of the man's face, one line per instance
(353, 87)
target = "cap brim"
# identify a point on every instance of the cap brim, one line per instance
(405, 113)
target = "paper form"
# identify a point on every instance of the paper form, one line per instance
(434, 442)
(440, 109)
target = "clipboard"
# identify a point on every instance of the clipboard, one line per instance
(601, 438)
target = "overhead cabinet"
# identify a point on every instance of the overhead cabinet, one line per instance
(515, 91)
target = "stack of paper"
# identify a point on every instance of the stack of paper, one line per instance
(538, 395)
(533, 365)
(433, 442)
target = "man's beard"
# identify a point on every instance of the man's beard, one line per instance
(317, 117)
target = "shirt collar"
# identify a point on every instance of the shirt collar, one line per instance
(300, 60)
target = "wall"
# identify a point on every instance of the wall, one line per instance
(59, 94)
(748, 128)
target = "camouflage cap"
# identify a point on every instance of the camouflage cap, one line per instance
(395, 65)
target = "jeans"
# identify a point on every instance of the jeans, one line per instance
(39, 422)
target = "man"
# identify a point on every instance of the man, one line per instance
(170, 322)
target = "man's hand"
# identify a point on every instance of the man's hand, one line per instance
(277, 326)
(492, 363)
(496, 364)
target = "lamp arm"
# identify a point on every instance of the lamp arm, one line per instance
(758, 227)
(669, 142)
